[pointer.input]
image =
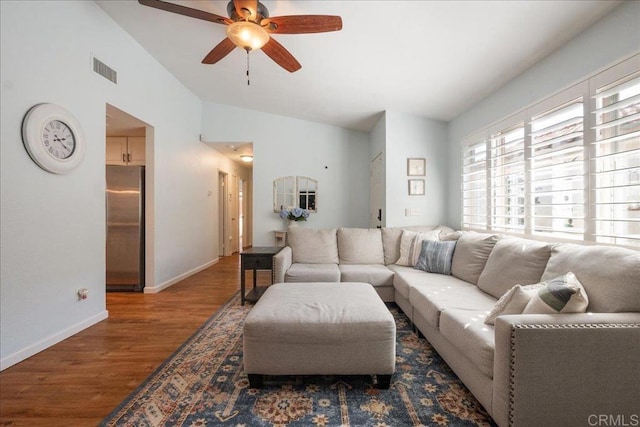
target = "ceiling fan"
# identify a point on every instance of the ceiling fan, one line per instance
(250, 27)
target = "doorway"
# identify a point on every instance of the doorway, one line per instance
(241, 208)
(128, 192)
(234, 185)
(234, 213)
(376, 192)
(223, 213)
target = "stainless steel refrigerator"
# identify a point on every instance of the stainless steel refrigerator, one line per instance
(125, 228)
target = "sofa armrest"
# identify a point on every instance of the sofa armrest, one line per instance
(281, 263)
(566, 369)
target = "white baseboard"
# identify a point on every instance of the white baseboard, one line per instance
(36, 348)
(165, 285)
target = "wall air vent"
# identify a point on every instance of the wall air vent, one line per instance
(105, 71)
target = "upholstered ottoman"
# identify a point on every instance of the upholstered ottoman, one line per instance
(320, 328)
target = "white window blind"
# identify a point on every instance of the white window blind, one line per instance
(474, 185)
(617, 162)
(557, 159)
(507, 180)
(566, 168)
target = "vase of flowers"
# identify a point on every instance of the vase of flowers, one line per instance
(293, 216)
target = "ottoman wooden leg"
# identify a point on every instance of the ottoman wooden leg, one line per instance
(255, 380)
(384, 381)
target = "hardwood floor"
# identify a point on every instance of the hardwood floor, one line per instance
(82, 379)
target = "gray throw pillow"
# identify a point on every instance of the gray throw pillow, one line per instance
(436, 256)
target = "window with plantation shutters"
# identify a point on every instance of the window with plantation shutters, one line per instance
(567, 168)
(557, 171)
(474, 185)
(507, 180)
(616, 161)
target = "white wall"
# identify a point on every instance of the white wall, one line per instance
(53, 226)
(409, 136)
(609, 40)
(282, 146)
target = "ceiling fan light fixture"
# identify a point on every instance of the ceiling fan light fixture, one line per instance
(246, 158)
(247, 35)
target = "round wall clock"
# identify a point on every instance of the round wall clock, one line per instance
(53, 138)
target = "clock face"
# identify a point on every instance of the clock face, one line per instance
(53, 138)
(58, 139)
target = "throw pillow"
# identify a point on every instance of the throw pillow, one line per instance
(450, 237)
(563, 294)
(513, 301)
(435, 257)
(411, 245)
(472, 252)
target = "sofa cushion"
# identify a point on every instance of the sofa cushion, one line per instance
(360, 246)
(313, 246)
(403, 277)
(513, 261)
(312, 273)
(411, 245)
(610, 275)
(563, 294)
(444, 293)
(391, 240)
(471, 255)
(376, 275)
(512, 302)
(466, 330)
(435, 257)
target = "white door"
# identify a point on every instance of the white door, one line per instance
(223, 244)
(234, 236)
(241, 225)
(376, 192)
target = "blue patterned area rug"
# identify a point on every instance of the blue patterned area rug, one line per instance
(203, 384)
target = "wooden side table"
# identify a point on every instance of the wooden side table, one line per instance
(257, 258)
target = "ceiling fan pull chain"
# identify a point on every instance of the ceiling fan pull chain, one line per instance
(248, 81)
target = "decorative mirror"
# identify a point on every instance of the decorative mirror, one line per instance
(295, 192)
(284, 196)
(307, 189)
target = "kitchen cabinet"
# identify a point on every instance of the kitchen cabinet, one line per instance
(125, 150)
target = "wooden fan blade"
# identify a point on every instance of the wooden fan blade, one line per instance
(281, 56)
(220, 51)
(186, 11)
(302, 24)
(247, 9)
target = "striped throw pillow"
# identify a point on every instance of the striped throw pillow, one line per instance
(513, 302)
(436, 257)
(410, 245)
(564, 294)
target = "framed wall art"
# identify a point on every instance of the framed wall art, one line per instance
(416, 166)
(416, 187)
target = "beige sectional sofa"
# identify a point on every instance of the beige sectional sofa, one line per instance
(527, 369)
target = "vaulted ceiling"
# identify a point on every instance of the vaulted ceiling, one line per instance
(430, 58)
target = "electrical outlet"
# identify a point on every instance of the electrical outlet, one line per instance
(83, 293)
